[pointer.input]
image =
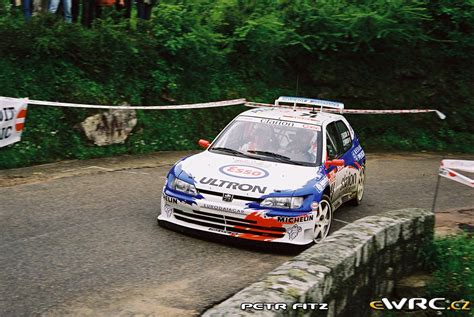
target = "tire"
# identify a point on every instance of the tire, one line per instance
(360, 188)
(323, 219)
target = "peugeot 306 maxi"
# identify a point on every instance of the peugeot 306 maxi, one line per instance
(274, 174)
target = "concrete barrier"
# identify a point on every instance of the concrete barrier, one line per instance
(355, 265)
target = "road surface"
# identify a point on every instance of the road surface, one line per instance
(80, 237)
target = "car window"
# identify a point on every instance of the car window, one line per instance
(272, 140)
(345, 135)
(333, 141)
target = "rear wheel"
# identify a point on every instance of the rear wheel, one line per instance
(360, 188)
(323, 219)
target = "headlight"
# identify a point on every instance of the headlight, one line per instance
(283, 202)
(184, 187)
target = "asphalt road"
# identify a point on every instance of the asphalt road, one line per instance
(80, 238)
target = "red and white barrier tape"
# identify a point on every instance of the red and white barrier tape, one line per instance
(356, 111)
(224, 103)
(446, 170)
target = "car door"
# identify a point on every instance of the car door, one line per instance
(348, 175)
(342, 179)
(334, 150)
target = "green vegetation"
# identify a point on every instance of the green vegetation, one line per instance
(451, 258)
(367, 54)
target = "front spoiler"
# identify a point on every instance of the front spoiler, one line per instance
(279, 247)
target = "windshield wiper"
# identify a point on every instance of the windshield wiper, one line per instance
(277, 156)
(229, 150)
(271, 154)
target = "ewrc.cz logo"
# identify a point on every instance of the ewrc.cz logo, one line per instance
(420, 304)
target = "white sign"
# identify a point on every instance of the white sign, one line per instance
(12, 120)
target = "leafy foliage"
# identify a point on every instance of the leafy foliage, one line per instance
(452, 260)
(366, 53)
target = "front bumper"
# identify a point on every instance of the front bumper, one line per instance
(227, 219)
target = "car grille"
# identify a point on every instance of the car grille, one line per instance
(228, 223)
(210, 192)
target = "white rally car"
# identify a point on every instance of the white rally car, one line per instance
(274, 174)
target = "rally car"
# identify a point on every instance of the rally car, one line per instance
(274, 174)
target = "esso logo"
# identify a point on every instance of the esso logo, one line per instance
(243, 171)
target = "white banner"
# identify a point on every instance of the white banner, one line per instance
(12, 119)
(446, 170)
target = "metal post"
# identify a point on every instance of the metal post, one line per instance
(436, 194)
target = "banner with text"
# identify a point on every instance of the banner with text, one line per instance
(12, 119)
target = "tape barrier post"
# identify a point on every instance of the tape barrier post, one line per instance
(436, 194)
(12, 120)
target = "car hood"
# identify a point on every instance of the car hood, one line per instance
(243, 176)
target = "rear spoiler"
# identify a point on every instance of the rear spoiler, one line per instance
(298, 101)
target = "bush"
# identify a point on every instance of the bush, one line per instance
(368, 54)
(451, 259)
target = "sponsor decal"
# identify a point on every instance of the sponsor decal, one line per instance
(312, 127)
(346, 138)
(302, 118)
(222, 208)
(244, 171)
(168, 210)
(420, 303)
(180, 201)
(321, 184)
(169, 199)
(263, 109)
(259, 220)
(233, 185)
(303, 218)
(314, 205)
(278, 122)
(294, 231)
(348, 181)
(221, 231)
(358, 154)
(347, 197)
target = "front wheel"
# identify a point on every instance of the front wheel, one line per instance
(323, 219)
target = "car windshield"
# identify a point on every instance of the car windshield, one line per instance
(272, 140)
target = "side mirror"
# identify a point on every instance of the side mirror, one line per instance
(334, 163)
(204, 143)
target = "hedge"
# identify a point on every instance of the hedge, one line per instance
(368, 54)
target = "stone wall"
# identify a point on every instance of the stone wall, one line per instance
(352, 267)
